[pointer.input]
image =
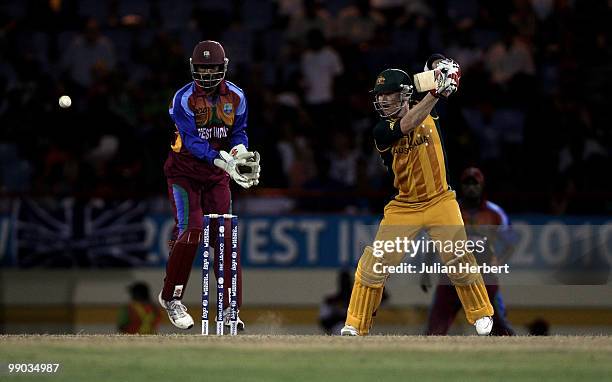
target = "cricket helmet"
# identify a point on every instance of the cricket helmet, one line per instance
(392, 81)
(430, 61)
(208, 54)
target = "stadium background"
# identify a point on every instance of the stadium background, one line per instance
(83, 212)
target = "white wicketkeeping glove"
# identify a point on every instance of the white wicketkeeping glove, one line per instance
(251, 169)
(241, 152)
(229, 164)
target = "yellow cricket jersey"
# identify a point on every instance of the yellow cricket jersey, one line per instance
(417, 160)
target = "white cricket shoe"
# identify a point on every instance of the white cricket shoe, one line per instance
(227, 322)
(484, 325)
(177, 313)
(348, 330)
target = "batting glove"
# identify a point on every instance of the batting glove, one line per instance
(448, 75)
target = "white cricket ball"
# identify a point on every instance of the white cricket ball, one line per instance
(65, 102)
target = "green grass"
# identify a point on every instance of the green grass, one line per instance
(311, 358)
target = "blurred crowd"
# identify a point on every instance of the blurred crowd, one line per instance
(530, 111)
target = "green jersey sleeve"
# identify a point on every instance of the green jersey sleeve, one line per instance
(386, 133)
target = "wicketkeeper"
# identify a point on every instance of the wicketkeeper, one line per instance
(209, 149)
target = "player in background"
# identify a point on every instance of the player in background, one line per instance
(209, 149)
(141, 315)
(408, 138)
(482, 219)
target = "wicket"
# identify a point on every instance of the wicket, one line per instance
(232, 290)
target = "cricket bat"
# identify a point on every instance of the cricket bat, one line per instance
(425, 81)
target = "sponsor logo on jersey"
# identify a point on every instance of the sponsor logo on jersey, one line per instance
(212, 132)
(407, 149)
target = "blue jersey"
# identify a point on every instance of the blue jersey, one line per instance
(205, 125)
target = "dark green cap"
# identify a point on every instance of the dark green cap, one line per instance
(391, 80)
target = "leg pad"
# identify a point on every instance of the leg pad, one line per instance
(364, 302)
(463, 278)
(475, 300)
(367, 293)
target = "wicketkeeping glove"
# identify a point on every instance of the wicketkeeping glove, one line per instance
(229, 164)
(240, 152)
(251, 169)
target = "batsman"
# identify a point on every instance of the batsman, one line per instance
(408, 138)
(209, 149)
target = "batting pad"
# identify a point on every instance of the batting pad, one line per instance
(364, 302)
(475, 300)
(462, 277)
(365, 270)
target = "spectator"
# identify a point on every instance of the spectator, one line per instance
(293, 63)
(89, 51)
(320, 65)
(505, 59)
(312, 16)
(357, 22)
(296, 155)
(465, 51)
(343, 159)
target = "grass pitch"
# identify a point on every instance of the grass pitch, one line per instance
(310, 358)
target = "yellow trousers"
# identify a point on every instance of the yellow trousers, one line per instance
(441, 218)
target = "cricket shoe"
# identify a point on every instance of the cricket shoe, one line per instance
(177, 313)
(484, 325)
(227, 322)
(348, 330)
